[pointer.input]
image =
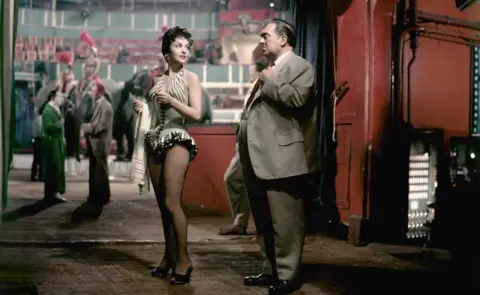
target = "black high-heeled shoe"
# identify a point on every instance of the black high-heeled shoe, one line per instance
(160, 272)
(179, 279)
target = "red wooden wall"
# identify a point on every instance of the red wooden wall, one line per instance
(440, 99)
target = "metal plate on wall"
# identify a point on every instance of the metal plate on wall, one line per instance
(344, 152)
(475, 92)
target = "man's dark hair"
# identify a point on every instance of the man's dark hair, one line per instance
(261, 64)
(285, 28)
(171, 35)
(52, 94)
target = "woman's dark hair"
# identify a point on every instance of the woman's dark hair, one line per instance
(261, 64)
(171, 35)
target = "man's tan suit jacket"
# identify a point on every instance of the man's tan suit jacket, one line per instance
(282, 126)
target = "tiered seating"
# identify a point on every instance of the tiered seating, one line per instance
(32, 48)
(141, 52)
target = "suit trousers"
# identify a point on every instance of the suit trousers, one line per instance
(98, 181)
(278, 212)
(236, 191)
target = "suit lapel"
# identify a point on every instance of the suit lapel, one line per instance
(255, 94)
(255, 90)
(97, 107)
(280, 66)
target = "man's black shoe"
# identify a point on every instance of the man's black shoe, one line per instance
(260, 280)
(285, 287)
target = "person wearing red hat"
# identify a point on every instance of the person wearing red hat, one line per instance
(64, 82)
(99, 134)
(90, 66)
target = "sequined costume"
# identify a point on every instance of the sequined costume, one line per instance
(90, 75)
(64, 82)
(168, 126)
(90, 66)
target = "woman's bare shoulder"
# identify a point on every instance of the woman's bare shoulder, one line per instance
(191, 77)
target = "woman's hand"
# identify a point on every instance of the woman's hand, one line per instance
(164, 98)
(137, 106)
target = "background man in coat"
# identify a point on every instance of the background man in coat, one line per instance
(278, 150)
(53, 149)
(233, 177)
(99, 134)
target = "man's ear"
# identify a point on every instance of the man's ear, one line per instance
(284, 41)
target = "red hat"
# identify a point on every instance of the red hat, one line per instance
(85, 37)
(65, 58)
(100, 86)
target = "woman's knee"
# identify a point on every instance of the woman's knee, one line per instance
(172, 205)
(161, 202)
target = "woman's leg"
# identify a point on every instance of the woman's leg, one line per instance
(175, 168)
(169, 257)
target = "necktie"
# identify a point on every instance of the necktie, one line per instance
(249, 100)
(252, 94)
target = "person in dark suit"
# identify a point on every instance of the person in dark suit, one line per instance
(99, 134)
(233, 177)
(37, 138)
(278, 150)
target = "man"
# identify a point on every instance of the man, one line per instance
(122, 56)
(278, 152)
(233, 177)
(37, 163)
(53, 149)
(99, 134)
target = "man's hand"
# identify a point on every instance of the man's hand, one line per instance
(265, 74)
(62, 121)
(85, 128)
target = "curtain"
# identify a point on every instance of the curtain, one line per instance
(8, 19)
(316, 30)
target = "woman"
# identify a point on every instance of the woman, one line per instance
(174, 98)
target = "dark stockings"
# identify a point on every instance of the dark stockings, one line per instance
(168, 180)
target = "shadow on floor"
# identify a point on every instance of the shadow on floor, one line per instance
(352, 279)
(362, 280)
(104, 256)
(18, 279)
(8, 289)
(28, 210)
